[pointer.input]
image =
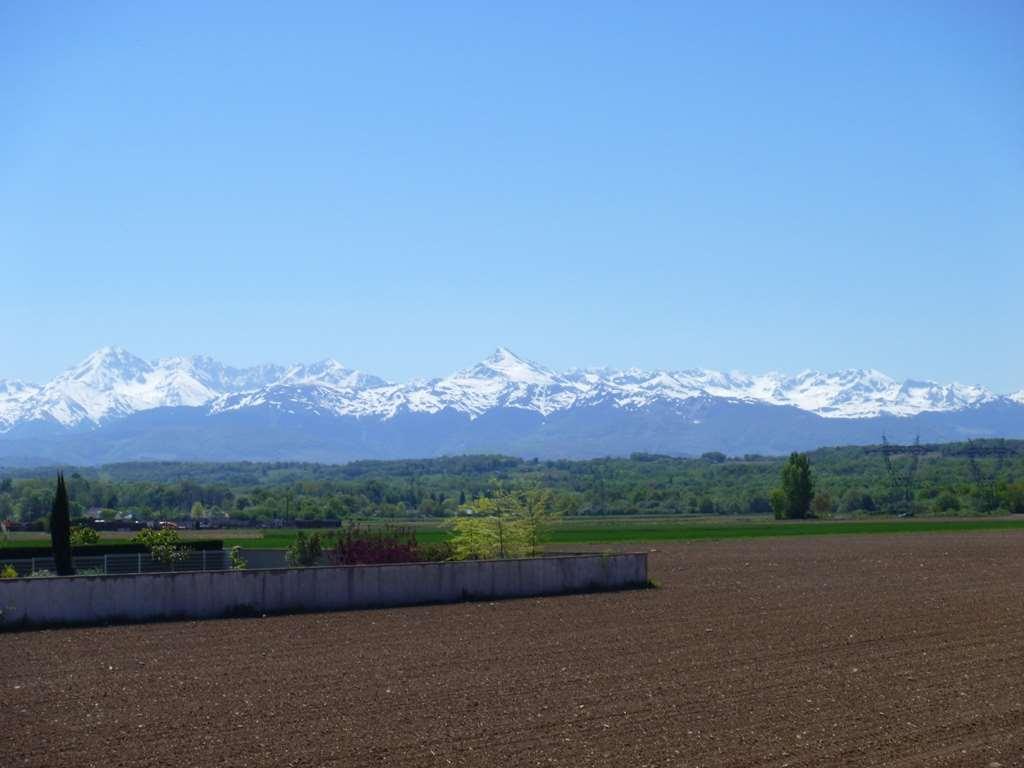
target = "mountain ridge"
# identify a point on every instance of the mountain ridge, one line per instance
(112, 383)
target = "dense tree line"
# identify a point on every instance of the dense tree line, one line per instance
(976, 477)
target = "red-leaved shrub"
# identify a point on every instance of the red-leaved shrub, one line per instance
(370, 546)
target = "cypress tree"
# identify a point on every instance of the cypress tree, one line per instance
(60, 530)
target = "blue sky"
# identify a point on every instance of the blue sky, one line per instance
(405, 186)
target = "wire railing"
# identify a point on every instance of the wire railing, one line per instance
(127, 563)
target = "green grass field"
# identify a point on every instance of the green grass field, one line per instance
(596, 534)
(623, 530)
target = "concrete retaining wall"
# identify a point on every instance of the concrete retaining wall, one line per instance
(101, 599)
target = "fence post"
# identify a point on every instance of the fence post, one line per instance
(106, 565)
(139, 563)
(204, 559)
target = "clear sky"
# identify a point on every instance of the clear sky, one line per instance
(405, 186)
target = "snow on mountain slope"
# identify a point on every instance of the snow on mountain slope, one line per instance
(317, 399)
(329, 373)
(112, 382)
(851, 393)
(13, 394)
(503, 380)
(108, 382)
(631, 388)
(219, 377)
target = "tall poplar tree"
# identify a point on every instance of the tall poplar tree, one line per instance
(797, 487)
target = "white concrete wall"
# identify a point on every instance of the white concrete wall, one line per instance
(100, 599)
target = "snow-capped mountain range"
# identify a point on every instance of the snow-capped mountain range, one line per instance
(115, 406)
(112, 383)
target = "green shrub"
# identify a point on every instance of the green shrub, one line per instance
(822, 505)
(305, 551)
(1015, 498)
(946, 502)
(435, 553)
(8, 572)
(238, 562)
(81, 534)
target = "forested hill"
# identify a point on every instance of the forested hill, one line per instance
(978, 476)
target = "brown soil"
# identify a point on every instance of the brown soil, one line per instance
(903, 650)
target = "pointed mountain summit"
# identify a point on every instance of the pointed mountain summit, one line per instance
(507, 364)
(107, 366)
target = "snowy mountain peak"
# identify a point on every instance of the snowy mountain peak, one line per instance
(107, 365)
(505, 363)
(502, 354)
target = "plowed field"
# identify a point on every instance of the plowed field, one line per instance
(882, 650)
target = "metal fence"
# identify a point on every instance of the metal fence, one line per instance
(202, 560)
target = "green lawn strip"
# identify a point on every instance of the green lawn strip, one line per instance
(626, 531)
(46, 542)
(598, 534)
(623, 530)
(27, 543)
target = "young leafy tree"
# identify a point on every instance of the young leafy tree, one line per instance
(822, 505)
(797, 486)
(198, 511)
(503, 515)
(305, 551)
(508, 524)
(474, 538)
(538, 514)
(165, 546)
(60, 530)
